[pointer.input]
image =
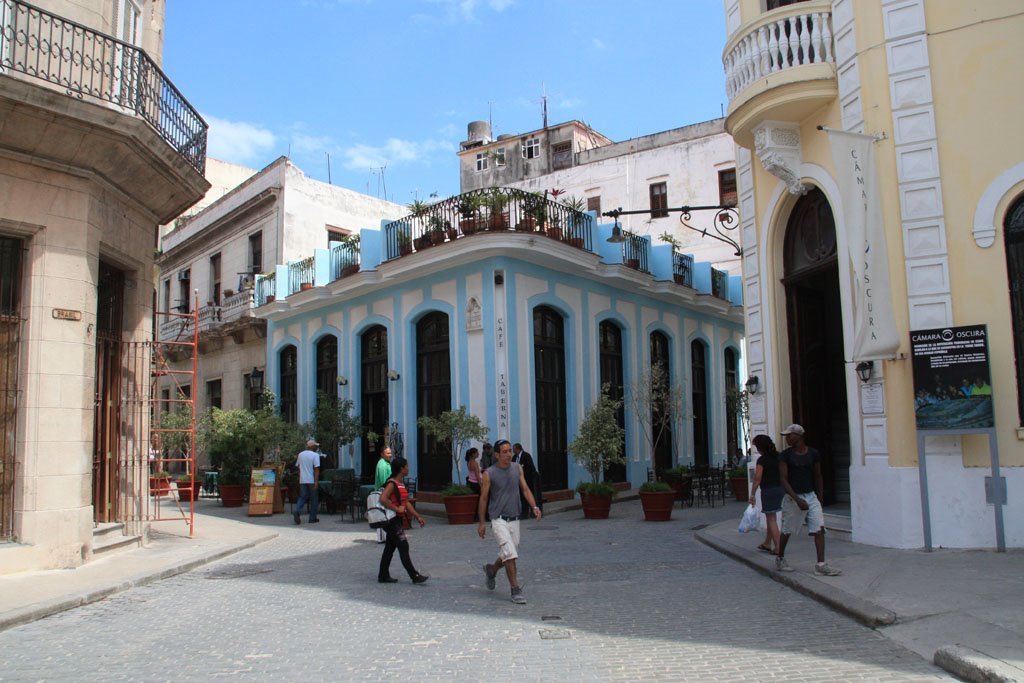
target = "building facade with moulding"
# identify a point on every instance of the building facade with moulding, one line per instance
(277, 215)
(693, 165)
(448, 308)
(97, 149)
(950, 202)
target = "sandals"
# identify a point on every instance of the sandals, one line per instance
(764, 548)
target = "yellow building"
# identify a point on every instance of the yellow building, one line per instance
(933, 88)
(97, 148)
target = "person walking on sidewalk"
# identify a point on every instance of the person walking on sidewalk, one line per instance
(500, 489)
(766, 476)
(525, 461)
(800, 473)
(308, 462)
(396, 497)
(381, 476)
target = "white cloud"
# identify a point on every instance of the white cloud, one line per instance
(598, 43)
(500, 5)
(309, 144)
(238, 142)
(393, 152)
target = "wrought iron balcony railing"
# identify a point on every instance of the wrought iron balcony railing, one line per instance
(489, 210)
(266, 288)
(719, 283)
(87, 63)
(634, 251)
(790, 38)
(300, 275)
(344, 261)
(682, 269)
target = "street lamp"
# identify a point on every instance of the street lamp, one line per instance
(752, 384)
(864, 369)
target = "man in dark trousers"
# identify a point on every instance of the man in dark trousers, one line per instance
(800, 472)
(500, 487)
(525, 460)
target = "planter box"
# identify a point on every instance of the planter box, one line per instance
(595, 507)
(303, 286)
(739, 488)
(461, 509)
(657, 505)
(232, 495)
(350, 269)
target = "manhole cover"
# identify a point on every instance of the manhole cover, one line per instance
(698, 527)
(239, 573)
(554, 634)
(550, 618)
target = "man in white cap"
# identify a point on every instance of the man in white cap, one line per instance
(800, 472)
(308, 463)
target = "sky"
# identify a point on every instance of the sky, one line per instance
(375, 95)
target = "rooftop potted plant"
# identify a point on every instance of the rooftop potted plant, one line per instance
(597, 445)
(469, 212)
(496, 202)
(456, 428)
(534, 209)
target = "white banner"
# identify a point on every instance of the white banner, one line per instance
(875, 334)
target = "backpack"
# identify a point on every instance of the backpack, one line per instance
(376, 514)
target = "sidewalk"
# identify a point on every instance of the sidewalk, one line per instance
(28, 596)
(961, 609)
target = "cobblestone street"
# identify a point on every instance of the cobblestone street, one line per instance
(621, 600)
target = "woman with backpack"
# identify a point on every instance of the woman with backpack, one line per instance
(395, 497)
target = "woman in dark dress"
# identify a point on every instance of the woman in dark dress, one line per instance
(395, 497)
(766, 476)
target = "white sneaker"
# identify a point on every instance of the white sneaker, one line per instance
(825, 569)
(781, 565)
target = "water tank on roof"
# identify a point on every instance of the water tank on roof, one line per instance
(505, 136)
(479, 131)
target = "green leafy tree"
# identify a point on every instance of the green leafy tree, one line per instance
(598, 442)
(457, 428)
(333, 424)
(228, 437)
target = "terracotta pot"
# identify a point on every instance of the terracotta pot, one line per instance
(468, 226)
(739, 488)
(159, 486)
(595, 507)
(188, 490)
(657, 505)
(453, 234)
(350, 269)
(678, 279)
(303, 286)
(461, 509)
(633, 263)
(555, 233)
(270, 298)
(527, 224)
(576, 242)
(232, 495)
(499, 221)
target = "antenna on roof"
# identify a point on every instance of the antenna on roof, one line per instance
(328, 167)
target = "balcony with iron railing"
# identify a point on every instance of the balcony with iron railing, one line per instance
(780, 67)
(719, 283)
(301, 275)
(682, 269)
(344, 261)
(634, 251)
(484, 211)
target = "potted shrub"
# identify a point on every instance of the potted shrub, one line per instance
(738, 483)
(496, 202)
(469, 212)
(160, 483)
(597, 445)
(229, 437)
(188, 488)
(457, 428)
(657, 498)
(351, 262)
(680, 480)
(535, 212)
(435, 229)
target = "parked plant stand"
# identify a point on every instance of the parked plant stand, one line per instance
(657, 499)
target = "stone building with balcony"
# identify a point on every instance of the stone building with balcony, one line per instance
(693, 165)
(518, 308)
(97, 149)
(211, 258)
(880, 195)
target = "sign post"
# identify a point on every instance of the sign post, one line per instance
(953, 397)
(261, 492)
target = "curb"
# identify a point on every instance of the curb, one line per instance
(858, 609)
(25, 615)
(975, 666)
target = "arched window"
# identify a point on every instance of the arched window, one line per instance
(289, 384)
(732, 439)
(327, 367)
(699, 400)
(661, 364)
(549, 386)
(373, 356)
(433, 397)
(611, 374)
(1014, 232)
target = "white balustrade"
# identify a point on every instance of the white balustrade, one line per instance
(238, 305)
(783, 43)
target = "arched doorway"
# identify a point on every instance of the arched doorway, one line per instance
(612, 375)
(1014, 236)
(660, 358)
(433, 397)
(373, 355)
(815, 328)
(549, 386)
(699, 403)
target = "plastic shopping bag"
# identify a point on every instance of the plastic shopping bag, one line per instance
(751, 521)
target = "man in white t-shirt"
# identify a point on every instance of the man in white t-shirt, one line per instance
(308, 463)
